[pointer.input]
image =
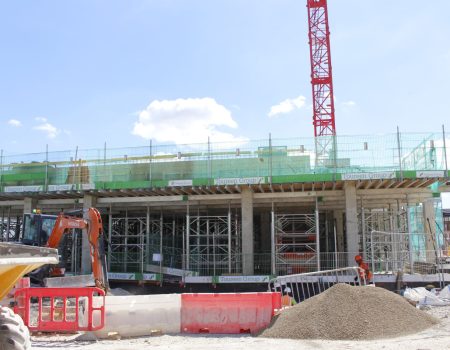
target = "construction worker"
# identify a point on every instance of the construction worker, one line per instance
(287, 299)
(364, 272)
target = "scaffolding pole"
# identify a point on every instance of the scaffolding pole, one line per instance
(1, 169)
(188, 229)
(335, 244)
(142, 246)
(317, 235)
(410, 245)
(399, 148)
(445, 151)
(125, 254)
(161, 229)
(272, 241)
(150, 151)
(110, 223)
(46, 169)
(8, 224)
(363, 227)
(229, 240)
(270, 159)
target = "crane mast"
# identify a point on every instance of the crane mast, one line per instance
(322, 82)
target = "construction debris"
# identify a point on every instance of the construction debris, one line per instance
(344, 312)
(114, 336)
(422, 296)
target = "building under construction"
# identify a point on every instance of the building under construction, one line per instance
(226, 213)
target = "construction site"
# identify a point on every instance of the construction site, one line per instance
(211, 214)
(164, 241)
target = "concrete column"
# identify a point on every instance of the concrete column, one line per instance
(86, 264)
(339, 219)
(265, 221)
(351, 222)
(429, 215)
(247, 231)
(29, 204)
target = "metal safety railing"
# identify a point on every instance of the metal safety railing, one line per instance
(297, 288)
(249, 161)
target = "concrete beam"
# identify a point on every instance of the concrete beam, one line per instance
(147, 199)
(18, 203)
(60, 201)
(310, 194)
(392, 191)
(217, 197)
(445, 188)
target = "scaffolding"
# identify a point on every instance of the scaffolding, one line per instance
(10, 227)
(144, 243)
(213, 244)
(296, 244)
(383, 220)
(127, 243)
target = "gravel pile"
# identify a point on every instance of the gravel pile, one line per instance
(344, 312)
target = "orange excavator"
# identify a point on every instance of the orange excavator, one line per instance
(48, 230)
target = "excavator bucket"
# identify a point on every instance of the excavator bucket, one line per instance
(17, 260)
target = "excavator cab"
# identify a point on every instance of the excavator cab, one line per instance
(50, 230)
(37, 228)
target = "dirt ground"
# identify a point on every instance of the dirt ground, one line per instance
(437, 337)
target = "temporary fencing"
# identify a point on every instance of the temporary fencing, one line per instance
(61, 309)
(299, 287)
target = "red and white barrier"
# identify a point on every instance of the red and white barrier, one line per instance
(227, 313)
(59, 309)
(139, 315)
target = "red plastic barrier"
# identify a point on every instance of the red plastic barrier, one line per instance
(61, 309)
(227, 313)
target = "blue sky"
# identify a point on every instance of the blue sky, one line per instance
(85, 72)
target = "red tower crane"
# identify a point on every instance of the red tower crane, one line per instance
(321, 80)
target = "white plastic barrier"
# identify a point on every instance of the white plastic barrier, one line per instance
(445, 293)
(139, 315)
(425, 297)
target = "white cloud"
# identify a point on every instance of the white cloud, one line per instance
(287, 106)
(14, 122)
(186, 121)
(349, 104)
(46, 127)
(41, 119)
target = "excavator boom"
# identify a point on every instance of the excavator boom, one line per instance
(35, 233)
(94, 227)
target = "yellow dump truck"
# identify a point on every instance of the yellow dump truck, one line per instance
(17, 260)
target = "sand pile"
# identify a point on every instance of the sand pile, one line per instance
(344, 312)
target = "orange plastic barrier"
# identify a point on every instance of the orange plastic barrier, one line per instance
(61, 309)
(227, 313)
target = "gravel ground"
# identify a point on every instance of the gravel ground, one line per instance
(436, 337)
(344, 312)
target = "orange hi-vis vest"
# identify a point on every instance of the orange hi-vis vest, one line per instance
(366, 272)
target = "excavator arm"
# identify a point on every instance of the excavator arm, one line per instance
(94, 227)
